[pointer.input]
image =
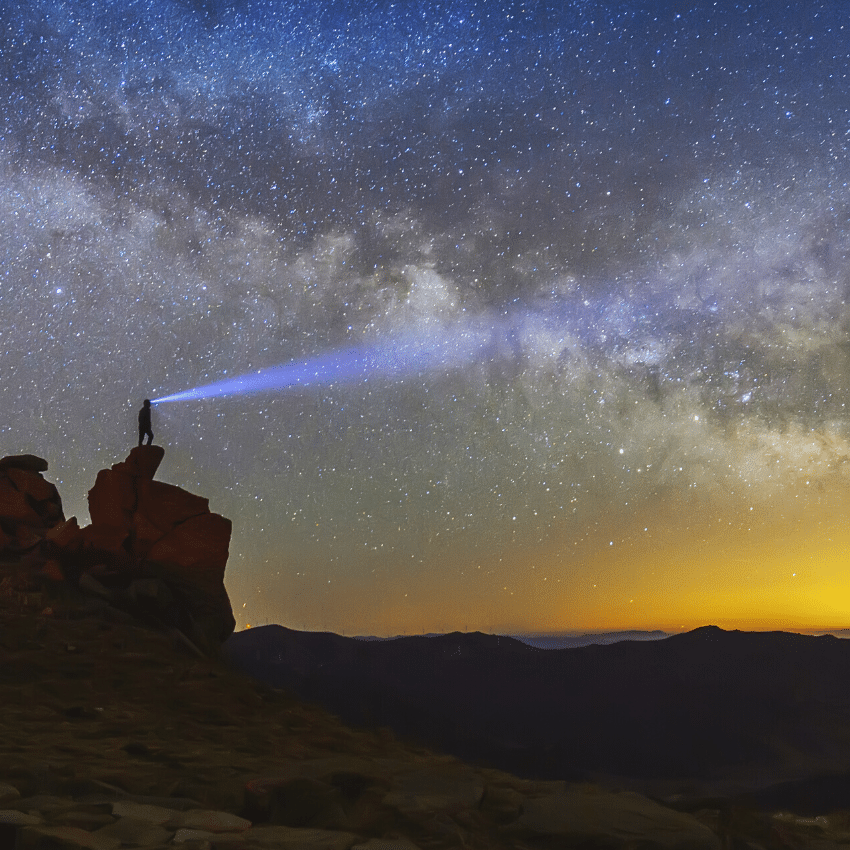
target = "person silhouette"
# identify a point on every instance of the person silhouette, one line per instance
(145, 423)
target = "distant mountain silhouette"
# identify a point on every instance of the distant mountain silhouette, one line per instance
(568, 641)
(549, 640)
(756, 708)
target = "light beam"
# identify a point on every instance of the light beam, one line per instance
(434, 351)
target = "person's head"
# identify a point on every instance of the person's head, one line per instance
(147, 402)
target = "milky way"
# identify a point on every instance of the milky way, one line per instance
(641, 209)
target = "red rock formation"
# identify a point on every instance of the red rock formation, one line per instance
(29, 505)
(152, 549)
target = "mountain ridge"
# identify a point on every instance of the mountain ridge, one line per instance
(708, 708)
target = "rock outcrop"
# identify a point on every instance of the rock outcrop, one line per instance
(29, 505)
(153, 551)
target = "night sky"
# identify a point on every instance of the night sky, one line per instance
(623, 227)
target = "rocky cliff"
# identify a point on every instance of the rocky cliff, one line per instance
(152, 551)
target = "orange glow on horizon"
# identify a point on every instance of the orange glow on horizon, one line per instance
(778, 564)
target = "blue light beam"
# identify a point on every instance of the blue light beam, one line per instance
(442, 350)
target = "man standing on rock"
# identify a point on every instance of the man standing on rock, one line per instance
(145, 423)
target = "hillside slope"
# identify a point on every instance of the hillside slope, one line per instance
(709, 711)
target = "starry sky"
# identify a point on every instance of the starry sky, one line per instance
(625, 225)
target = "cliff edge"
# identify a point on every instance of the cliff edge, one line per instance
(153, 551)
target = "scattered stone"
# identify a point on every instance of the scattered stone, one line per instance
(16, 818)
(184, 835)
(438, 787)
(208, 821)
(171, 804)
(134, 832)
(8, 793)
(599, 818)
(45, 803)
(11, 822)
(305, 802)
(63, 838)
(504, 804)
(288, 838)
(386, 844)
(84, 818)
(156, 815)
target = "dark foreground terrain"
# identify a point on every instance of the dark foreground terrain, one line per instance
(760, 716)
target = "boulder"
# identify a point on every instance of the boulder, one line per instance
(437, 787)
(290, 838)
(208, 821)
(112, 499)
(107, 544)
(29, 505)
(65, 535)
(26, 538)
(194, 552)
(190, 558)
(8, 793)
(591, 817)
(15, 505)
(31, 463)
(142, 462)
(155, 548)
(66, 837)
(152, 549)
(132, 832)
(32, 484)
(164, 505)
